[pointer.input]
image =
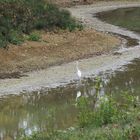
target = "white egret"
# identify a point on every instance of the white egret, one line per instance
(79, 73)
(78, 95)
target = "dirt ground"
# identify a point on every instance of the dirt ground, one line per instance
(54, 49)
(69, 3)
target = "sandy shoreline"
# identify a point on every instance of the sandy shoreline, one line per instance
(66, 73)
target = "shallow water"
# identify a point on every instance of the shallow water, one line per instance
(125, 17)
(55, 108)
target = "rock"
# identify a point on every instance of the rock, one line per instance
(117, 53)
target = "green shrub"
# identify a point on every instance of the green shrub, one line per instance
(3, 41)
(105, 112)
(22, 16)
(34, 37)
(53, 17)
(15, 37)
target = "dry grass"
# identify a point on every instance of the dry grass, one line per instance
(54, 49)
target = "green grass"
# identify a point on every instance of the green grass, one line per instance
(129, 132)
(34, 37)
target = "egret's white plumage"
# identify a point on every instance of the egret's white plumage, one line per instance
(79, 73)
(78, 95)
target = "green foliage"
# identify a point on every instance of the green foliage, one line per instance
(107, 110)
(52, 17)
(34, 36)
(130, 132)
(3, 41)
(85, 114)
(104, 112)
(15, 37)
(22, 16)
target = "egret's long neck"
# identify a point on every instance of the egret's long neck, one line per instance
(77, 66)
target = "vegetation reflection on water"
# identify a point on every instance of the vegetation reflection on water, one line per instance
(31, 112)
(56, 108)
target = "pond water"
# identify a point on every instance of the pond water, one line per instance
(55, 108)
(125, 17)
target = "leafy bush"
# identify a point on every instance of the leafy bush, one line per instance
(34, 37)
(108, 111)
(22, 16)
(15, 37)
(105, 112)
(3, 41)
(53, 17)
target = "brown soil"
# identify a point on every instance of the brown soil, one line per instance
(69, 3)
(54, 49)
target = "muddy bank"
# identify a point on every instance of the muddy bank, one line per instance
(54, 49)
(66, 73)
